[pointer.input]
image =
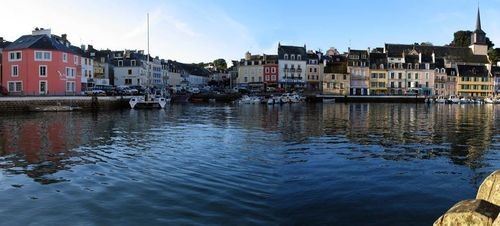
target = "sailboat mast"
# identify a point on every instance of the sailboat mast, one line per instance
(148, 63)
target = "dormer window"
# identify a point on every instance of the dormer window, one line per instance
(120, 63)
(409, 66)
(292, 57)
(381, 66)
(299, 57)
(133, 63)
(417, 66)
(286, 56)
(443, 70)
(437, 70)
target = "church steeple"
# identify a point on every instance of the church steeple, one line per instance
(478, 39)
(478, 21)
(478, 36)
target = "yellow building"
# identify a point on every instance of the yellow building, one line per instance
(378, 73)
(336, 80)
(474, 81)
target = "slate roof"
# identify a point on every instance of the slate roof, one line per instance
(378, 58)
(454, 54)
(43, 42)
(296, 50)
(4, 44)
(472, 70)
(449, 70)
(271, 59)
(191, 69)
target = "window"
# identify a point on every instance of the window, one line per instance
(392, 84)
(374, 84)
(43, 56)
(417, 66)
(267, 70)
(65, 57)
(75, 59)
(409, 66)
(345, 77)
(286, 56)
(427, 84)
(381, 66)
(299, 57)
(246, 79)
(15, 56)
(392, 75)
(381, 84)
(427, 75)
(273, 70)
(260, 79)
(70, 72)
(42, 70)
(14, 71)
(315, 70)
(443, 70)
(400, 84)
(15, 86)
(409, 75)
(273, 77)
(70, 86)
(400, 75)
(381, 75)
(292, 57)
(374, 75)
(129, 71)
(120, 63)
(128, 81)
(416, 75)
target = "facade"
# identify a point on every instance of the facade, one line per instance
(183, 76)
(358, 68)
(397, 74)
(271, 71)
(314, 71)
(336, 79)
(129, 68)
(103, 70)
(3, 44)
(41, 64)
(378, 73)
(250, 72)
(440, 80)
(87, 68)
(292, 61)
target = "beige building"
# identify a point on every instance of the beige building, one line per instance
(250, 72)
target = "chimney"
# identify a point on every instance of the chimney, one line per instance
(433, 57)
(1, 39)
(41, 31)
(64, 37)
(420, 58)
(83, 48)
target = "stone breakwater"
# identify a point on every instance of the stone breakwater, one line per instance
(484, 210)
(25, 104)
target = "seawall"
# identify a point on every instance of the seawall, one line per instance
(24, 104)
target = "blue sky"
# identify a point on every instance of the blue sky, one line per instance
(203, 30)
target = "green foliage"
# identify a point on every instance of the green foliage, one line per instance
(494, 55)
(461, 39)
(220, 64)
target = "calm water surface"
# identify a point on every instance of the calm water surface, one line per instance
(335, 164)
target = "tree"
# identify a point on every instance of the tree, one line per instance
(220, 64)
(463, 39)
(494, 55)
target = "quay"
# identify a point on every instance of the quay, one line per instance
(62, 103)
(370, 99)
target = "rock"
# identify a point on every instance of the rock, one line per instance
(497, 221)
(490, 188)
(469, 212)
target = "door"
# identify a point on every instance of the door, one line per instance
(43, 87)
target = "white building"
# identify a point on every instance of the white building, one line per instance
(292, 61)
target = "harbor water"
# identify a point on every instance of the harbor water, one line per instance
(225, 164)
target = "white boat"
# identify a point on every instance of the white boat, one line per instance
(148, 102)
(453, 100)
(291, 98)
(273, 100)
(489, 100)
(440, 100)
(464, 100)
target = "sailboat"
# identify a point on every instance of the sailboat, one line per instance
(149, 100)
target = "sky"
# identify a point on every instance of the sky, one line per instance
(193, 31)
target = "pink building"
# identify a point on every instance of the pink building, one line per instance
(41, 64)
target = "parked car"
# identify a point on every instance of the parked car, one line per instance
(108, 89)
(125, 90)
(140, 90)
(96, 92)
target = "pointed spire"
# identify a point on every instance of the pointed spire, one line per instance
(478, 21)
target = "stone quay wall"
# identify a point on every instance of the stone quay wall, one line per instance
(25, 104)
